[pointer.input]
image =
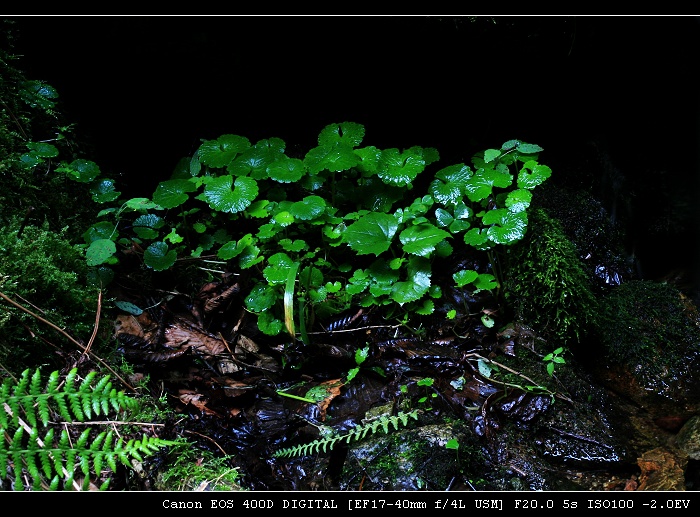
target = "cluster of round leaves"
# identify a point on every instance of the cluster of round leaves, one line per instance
(251, 204)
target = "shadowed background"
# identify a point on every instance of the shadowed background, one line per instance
(144, 92)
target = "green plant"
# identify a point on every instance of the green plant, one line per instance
(188, 468)
(426, 383)
(489, 367)
(52, 462)
(554, 358)
(360, 357)
(35, 144)
(338, 227)
(318, 393)
(43, 213)
(359, 432)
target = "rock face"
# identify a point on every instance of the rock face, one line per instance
(584, 437)
(607, 426)
(599, 443)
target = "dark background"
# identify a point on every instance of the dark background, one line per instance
(145, 91)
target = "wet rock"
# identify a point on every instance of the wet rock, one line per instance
(688, 438)
(411, 459)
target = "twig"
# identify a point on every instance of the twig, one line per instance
(519, 374)
(110, 422)
(68, 336)
(357, 329)
(97, 323)
(207, 438)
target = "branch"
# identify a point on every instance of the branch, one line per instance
(70, 338)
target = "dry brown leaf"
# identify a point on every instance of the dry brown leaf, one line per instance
(177, 336)
(332, 388)
(245, 344)
(197, 400)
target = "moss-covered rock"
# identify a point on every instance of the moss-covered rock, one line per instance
(652, 331)
(600, 242)
(44, 273)
(547, 286)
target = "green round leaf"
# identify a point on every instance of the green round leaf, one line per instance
(308, 208)
(286, 170)
(269, 324)
(158, 257)
(333, 157)
(445, 193)
(172, 193)
(104, 191)
(518, 200)
(276, 272)
(100, 251)
(42, 149)
(421, 239)
(101, 230)
(465, 277)
(146, 226)
(506, 227)
(417, 283)
(220, 152)
(372, 233)
(347, 133)
(81, 170)
(533, 174)
(142, 203)
(221, 197)
(400, 168)
(261, 298)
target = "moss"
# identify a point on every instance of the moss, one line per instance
(43, 272)
(546, 285)
(649, 327)
(192, 468)
(599, 242)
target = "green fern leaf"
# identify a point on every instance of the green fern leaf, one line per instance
(98, 457)
(3, 453)
(82, 439)
(53, 486)
(85, 465)
(45, 455)
(110, 458)
(5, 389)
(86, 400)
(43, 408)
(357, 433)
(30, 459)
(70, 460)
(70, 381)
(60, 450)
(21, 386)
(52, 383)
(63, 408)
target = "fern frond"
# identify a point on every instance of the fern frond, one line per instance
(5, 395)
(26, 406)
(359, 432)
